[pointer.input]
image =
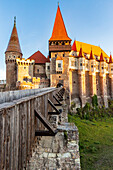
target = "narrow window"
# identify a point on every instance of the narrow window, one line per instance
(48, 67)
(59, 65)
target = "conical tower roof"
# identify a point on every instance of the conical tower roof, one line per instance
(14, 45)
(74, 47)
(59, 30)
(81, 53)
(102, 57)
(110, 59)
(91, 55)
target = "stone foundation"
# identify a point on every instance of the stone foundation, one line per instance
(60, 152)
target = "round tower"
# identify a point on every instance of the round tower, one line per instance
(12, 52)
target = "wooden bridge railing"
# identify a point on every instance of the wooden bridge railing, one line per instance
(18, 125)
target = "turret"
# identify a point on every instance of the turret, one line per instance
(59, 41)
(12, 52)
(81, 59)
(102, 64)
(92, 63)
(110, 66)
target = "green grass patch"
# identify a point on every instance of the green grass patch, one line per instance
(96, 143)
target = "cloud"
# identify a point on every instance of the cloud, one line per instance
(2, 74)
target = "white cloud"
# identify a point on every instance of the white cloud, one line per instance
(2, 74)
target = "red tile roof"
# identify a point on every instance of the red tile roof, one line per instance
(102, 57)
(110, 59)
(14, 45)
(39, 58)
(59, 30)
(81, 53)
(48, 60)
(74, 47)
(91, 55)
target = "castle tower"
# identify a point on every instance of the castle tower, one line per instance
(12, 52)
(92, 74)
(59, 46)
(81, 72)
(59, 41)
(111, 74)
(103, 79)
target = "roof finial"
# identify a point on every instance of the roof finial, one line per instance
(15, 21)
(58, 3)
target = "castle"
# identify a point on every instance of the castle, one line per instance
(83, 69)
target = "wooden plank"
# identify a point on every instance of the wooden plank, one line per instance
(44, 133)
(53, 113)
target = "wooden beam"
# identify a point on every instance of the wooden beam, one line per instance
(53, 113)
(44, 133)
(53, 106)
(44, 121)
(59, 104)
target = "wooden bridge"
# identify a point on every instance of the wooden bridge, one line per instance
(24, 115)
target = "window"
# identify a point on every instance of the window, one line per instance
(48, 67)
(63, 55)
(18, 56)
(91, 66)
(9, 56)
(14, 56)
(80, 64)
(37, 70)
(59, 65)
(87, 65)
(102, 68)
(24, 67)
(55, 55)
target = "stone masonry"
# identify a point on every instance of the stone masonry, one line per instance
(59, 152)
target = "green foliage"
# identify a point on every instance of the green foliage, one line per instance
(96, 142)
(65, 136)
(73, 105)
(95, 112)
(94, 101)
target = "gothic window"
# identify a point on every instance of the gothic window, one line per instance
(63, 55)
(63, 43)
(91, 66)
(48, 67)
(59, 65)
(37, 70)
(14, 56)
(55, 55)
(87, 65)
(80, 64)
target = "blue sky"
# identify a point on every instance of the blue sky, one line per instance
(89, 21)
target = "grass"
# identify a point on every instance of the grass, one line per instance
(96, 143)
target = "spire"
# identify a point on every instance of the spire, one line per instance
(59, 30)
(14, 45)
(15, 21)
(91, 55)
(110, 59)
(81, 53)
(74, 47)
(102, 57)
